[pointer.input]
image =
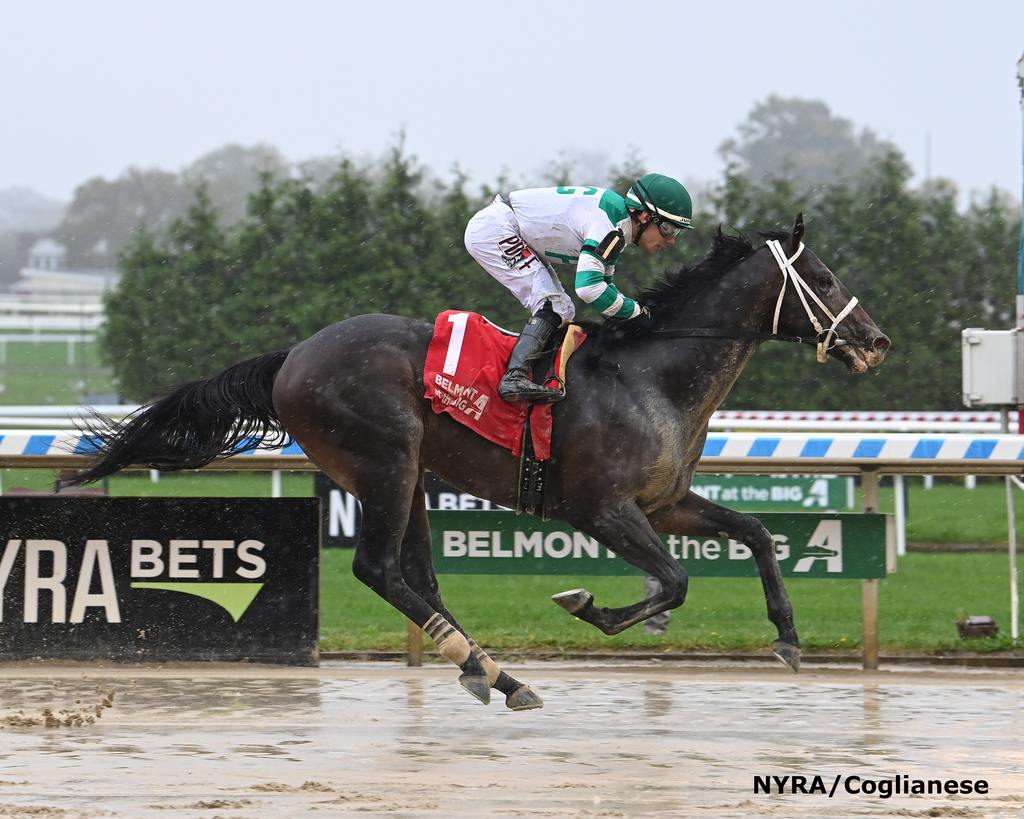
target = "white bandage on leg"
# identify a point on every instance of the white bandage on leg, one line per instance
(450, 641)
(491, 668)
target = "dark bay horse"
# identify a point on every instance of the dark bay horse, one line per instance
(627, 437)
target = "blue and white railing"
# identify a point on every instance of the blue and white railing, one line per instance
(895, 453)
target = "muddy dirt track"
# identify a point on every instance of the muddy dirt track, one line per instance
(654, 739)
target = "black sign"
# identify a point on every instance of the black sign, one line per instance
(341, 515)
(144, 579)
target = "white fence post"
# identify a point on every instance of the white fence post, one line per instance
(901, 516)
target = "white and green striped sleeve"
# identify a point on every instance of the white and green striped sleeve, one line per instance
(594, 272)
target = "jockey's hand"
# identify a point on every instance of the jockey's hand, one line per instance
(643, 315)
(640, 321)
(643, 318)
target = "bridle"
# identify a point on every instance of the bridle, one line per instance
(824, 340)
(789, 274)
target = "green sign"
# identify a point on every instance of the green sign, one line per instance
(811, 492)
(807, 545)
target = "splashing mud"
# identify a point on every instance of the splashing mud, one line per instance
(64, 717)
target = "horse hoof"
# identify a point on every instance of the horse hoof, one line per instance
(523, 699)
(789, 654)
(573, 600)
(477, 686)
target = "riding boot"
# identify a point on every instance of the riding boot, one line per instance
(515, 384)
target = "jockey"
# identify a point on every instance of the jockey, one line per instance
(521, 234)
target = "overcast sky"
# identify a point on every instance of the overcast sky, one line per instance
(88, 89)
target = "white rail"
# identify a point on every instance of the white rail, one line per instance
(89, 308)
(867, 420)
(49, 322)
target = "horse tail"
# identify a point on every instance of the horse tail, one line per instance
(192, 425)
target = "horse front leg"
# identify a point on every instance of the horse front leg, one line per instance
(695, 515)
(625, 530)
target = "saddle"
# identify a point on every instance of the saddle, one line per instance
(465, 360)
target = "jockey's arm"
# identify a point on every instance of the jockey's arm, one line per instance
(594, 283)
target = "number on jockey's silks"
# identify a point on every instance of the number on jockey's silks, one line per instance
(451, 359)
(587, 191)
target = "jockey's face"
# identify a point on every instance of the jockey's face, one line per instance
(651, 240)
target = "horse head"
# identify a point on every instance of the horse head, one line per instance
(813, 304)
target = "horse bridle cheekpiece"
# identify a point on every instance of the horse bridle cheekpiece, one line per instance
(824, 337)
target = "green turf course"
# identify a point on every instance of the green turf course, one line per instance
(918, 609)
(38, 373)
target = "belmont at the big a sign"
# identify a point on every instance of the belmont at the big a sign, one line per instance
(159, 579)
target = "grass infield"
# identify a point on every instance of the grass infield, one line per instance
(38, 373)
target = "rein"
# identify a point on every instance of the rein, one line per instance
(825, 340)
(710, 332)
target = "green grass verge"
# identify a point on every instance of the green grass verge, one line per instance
(39, 373)
(919, 606)
(949, 513)
(209, 484)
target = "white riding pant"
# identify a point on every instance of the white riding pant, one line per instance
(492, 238)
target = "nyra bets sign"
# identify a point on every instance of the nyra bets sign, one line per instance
(159, 579)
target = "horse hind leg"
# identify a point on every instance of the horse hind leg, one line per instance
(385, 480)
(418, 570)
(346, 438)
(377, 564)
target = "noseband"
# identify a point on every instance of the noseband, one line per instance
(825, 337)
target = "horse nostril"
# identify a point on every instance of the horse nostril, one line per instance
(881, 344)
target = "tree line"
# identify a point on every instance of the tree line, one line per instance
(386, 237)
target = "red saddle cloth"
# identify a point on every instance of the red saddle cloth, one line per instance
(465, 360)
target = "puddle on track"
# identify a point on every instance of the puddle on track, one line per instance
(664, 740)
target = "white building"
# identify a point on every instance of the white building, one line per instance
(46, 278)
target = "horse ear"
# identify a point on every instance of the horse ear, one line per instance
(798, 231)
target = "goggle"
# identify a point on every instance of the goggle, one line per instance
(665, 228)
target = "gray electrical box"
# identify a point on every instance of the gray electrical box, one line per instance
(991, 367)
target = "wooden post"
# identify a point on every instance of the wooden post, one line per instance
(869, 480)
(413, 644)
(869, 614)
(869, 588)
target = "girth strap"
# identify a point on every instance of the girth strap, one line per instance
(532, 475)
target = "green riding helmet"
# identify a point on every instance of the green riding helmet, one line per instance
(663, 198)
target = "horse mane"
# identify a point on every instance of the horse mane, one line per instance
(680, 286)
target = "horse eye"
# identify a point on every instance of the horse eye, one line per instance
(825, 284)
